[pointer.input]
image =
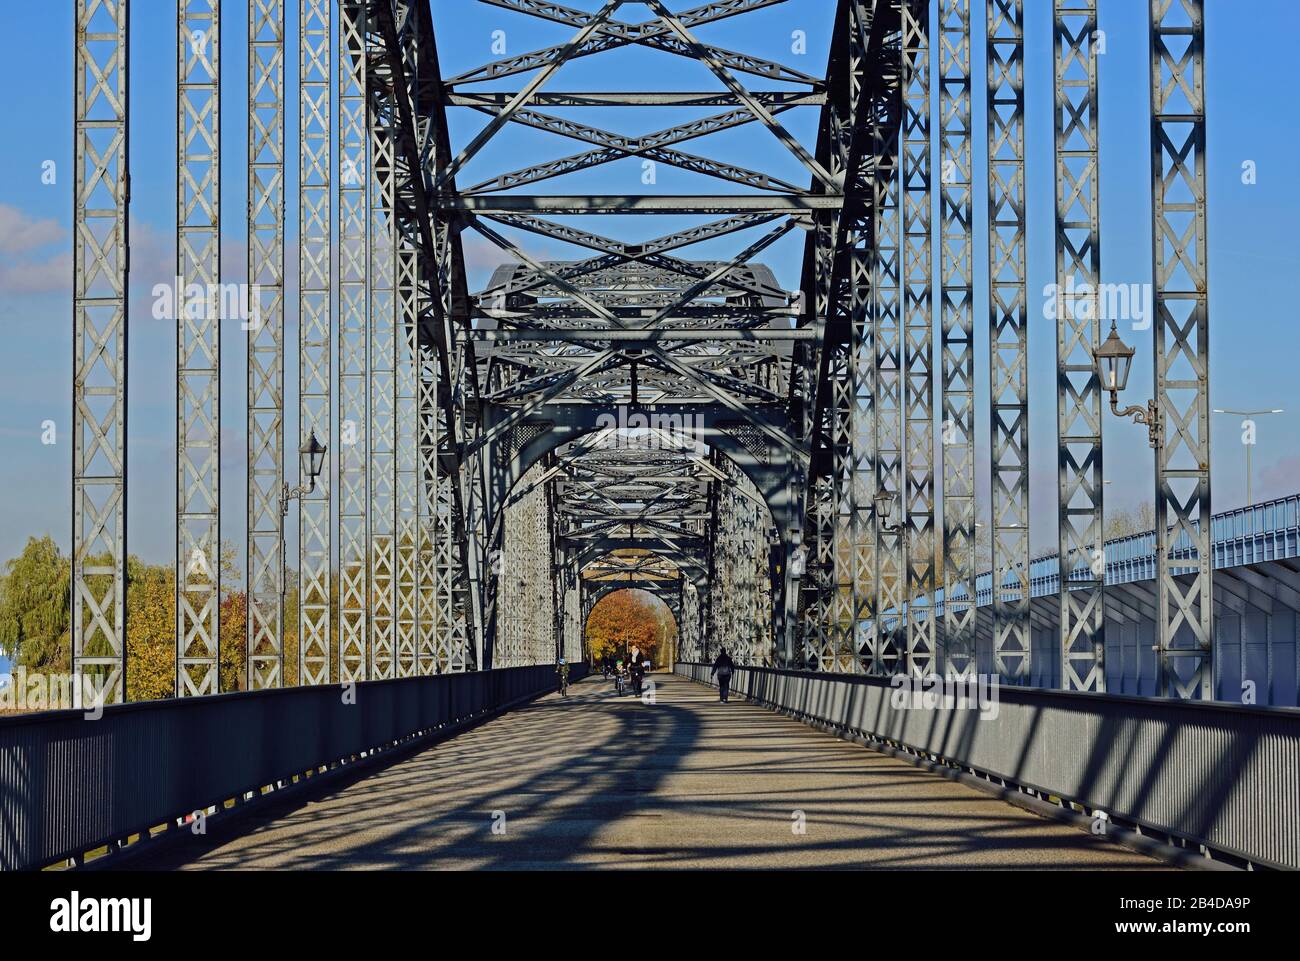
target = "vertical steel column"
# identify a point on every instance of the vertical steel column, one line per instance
(100, 265)
(1008, 341)
(823, 630)
(315, 280)
(888, 442)
(1078, 273)
(851, 367)
(198, 346)
(958, 374)
(406, 361)
(918, 351)
(426, 416)
(354, 337)
(426, 506)
(384, 344)
(862, 370)
(452, 627)
(406, 427)
(689, 629)
(1185, 621)
(265, 665)
(514, 587)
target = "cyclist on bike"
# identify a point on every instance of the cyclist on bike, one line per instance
(562, 669)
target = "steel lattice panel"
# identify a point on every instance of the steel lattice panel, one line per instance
(198, 347)
(353, 346)
(917, 505)
(385, 343)
(315, 280)
(266, 203)
(889, 441)
(1008, 340)
(99, 256)
(1184, 578)
(958, 336)
(1078, 273)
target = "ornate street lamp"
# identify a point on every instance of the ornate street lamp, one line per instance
(311, 459)
(1114, 358)
(885, 503)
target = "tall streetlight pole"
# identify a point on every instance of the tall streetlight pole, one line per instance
(1248, 444)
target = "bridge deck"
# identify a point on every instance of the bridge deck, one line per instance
(686, 783)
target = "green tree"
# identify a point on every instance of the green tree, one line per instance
(35, 595)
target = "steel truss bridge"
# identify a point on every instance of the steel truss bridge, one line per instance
(782, 466)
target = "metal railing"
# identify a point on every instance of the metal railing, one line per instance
(70, 785)
(1215, 775)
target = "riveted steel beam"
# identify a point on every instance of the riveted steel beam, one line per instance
(1078, 275)
(958, 331)
(101, 131)
(353, 345)
(266, 206)
(1184, 573)
(315, 373)
(198, 347)
(1008, 339)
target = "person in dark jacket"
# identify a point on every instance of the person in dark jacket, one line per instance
(722, 667)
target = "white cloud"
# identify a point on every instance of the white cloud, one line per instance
(20, 234)
(39, 277)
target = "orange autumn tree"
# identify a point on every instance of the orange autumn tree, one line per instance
(621, 620)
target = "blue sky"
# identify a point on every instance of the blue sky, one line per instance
(1253, 254)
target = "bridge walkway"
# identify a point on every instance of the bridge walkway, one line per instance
(686, 782)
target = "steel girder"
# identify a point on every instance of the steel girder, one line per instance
(526, 615)
(1184, 578)
(740, 583)
(885, 320)
(1078, 274)
(957, 319)
(918, 341)
(353, 346)
(99, 267)
(410, 451)
(689, 631)
(385, 329)
(266, 206)
(198, 347)
(835, 383)
(1008, 341)
(433, 494)
(315, 373)
(637, 293)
